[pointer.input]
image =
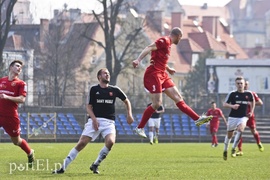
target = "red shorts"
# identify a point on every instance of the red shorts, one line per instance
(11, 125)
(214, 127)
(251, 123)
(156, 81)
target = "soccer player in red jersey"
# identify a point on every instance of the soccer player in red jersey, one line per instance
(214, 123)
(157, 80)
(13, 92)
(251, 123)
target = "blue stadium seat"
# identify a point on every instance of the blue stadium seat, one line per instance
(59, 123)
(71, 119)
(61, 128)
(40, 123)
(52, 123)
(70, 115)
(71, 131)
(169, 133)
(61, 115)
(32, 123)
(38, 119)
(127, 127)
(186, 130)
(119, 127)
(185, 124)
(134, 125)
(78, 131)
(122, 116)
(69, 128)
(45, 118)
(66, 123)
(139, 116)
(203, 133)
(64, 132)
(166, 115)
(178, 132)
(203, 128)
(121, 132)
(77, 127)
(51, 115)
(24, 115)
(51, 127)
(23, 123)
(129, 132)
(63, 119)
(43, 115)
(23, 131)
(22, 118)
(167, 120)
(34, 115)
(162, 133)
(74, 123)
(176, 124)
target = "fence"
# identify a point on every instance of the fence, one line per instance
(175, 127)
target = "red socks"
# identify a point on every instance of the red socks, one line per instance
(257, 137)
(240, 144)
(146, 115)
(214, 139)
(187, 110)
(181, 105)
(24, 145)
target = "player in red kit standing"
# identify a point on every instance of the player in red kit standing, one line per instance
(157, 80)
(13, 92)
(214, 123)
(251, 123)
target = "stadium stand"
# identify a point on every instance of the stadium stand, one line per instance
(173, 126)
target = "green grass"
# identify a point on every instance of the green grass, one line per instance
(138, 161)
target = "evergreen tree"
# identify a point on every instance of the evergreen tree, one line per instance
(195, 88)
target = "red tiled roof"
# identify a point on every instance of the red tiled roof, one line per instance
(179, 63)
(207, 41)
(188, 45)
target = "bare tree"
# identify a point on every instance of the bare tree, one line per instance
(6, 7)
(116, 52)
(63, 49)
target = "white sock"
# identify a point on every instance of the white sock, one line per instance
(236, 139)
(226, 143)
(102, 155)
(157, 133)
(151, 136)
(71, 156)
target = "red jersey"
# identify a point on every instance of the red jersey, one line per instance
(162, 54)
(216, 113)
(14, 88)
(256, 98)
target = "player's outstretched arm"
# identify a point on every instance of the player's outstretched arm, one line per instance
(146, 51)
(129, 111)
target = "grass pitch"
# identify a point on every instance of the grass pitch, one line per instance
(137, 161)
